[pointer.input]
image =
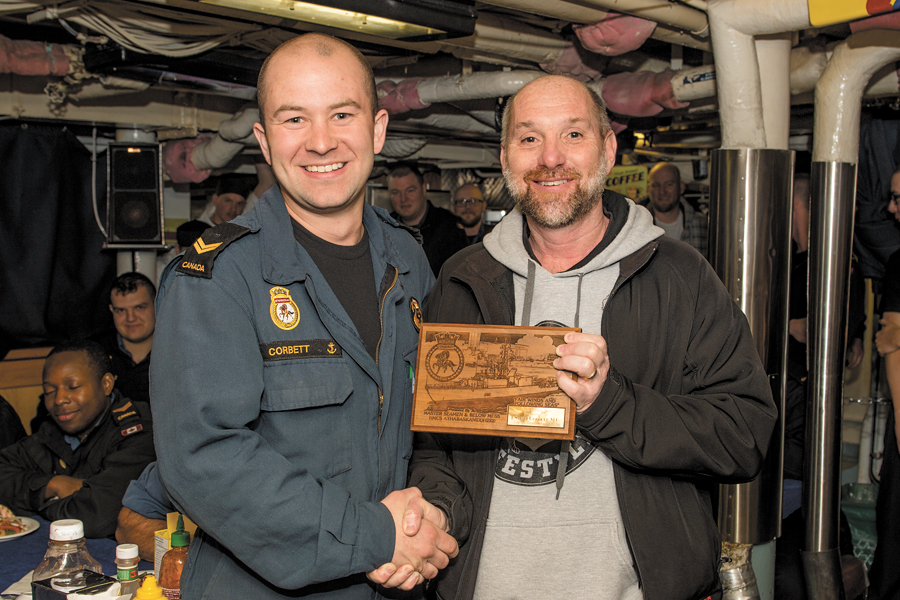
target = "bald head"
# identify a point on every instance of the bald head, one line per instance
(666, 167)
(554, 84)
(312, 45)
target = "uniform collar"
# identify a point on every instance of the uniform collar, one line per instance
(283, 261)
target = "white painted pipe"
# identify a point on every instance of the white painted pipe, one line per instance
(740, 96)
(230, 140)
(807, 65)
(839, 92)
(661, 11)
(734, 24)
(695, 83)
(774, 55)
(475, 85)
(508, 37)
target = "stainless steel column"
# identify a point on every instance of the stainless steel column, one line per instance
(832, 198)
(750, 215)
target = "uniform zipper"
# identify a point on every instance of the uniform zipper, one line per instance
(381, 337)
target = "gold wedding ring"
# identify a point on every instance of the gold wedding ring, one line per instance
(591, 376)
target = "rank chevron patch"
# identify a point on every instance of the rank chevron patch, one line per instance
(203, 248)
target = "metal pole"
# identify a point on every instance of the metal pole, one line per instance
(832, 198)
(750, 250)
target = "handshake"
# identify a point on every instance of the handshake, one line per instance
(422, 545)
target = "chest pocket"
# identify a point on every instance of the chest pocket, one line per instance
(305, 414)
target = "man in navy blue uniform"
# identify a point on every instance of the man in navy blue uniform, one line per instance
(283, 400)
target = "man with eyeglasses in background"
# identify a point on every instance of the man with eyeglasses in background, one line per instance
(469, 205)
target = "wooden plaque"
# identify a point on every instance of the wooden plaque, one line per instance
(491, 380)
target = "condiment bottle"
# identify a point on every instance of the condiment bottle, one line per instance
(66, 556)
(149, 590)
(127, 568)
(173, 562)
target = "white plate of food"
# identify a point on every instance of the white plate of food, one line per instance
(15, 527)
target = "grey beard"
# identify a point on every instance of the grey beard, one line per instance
(582, 201)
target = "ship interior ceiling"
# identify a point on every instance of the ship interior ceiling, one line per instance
(179, 68)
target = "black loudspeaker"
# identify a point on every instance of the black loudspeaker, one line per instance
(134, 196)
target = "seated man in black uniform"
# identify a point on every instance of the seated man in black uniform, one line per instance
(131, 303)
(78, 464)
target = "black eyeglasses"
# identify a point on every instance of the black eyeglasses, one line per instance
(464, 201)
(895, 198)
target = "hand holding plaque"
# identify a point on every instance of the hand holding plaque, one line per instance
(585, 356)
(493, 380)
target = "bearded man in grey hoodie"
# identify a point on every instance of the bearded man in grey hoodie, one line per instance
(670, 393)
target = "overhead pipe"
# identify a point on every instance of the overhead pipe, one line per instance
(806, 66)
(510, 38)
(232, 136)
(586, 15)
(638, 94)
(661, 11)
(838, 100)
(570, 64)
(838, 92)
(615, 34)
(735, 23)
(774, 51)
(24, 57)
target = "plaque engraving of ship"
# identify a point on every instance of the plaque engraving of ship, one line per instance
(491, 380)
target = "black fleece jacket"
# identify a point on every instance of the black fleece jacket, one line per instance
(686, 404)
(113, 453)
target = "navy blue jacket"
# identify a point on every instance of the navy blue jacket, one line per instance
(279, 434)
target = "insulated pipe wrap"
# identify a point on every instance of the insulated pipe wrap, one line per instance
(475, 85)
(839, 92)
(513, 39)
(233, 133)
(24, 57)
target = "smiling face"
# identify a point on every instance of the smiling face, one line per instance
(665, 188)
(407, 198)
(320, 135)
(75, 394)
(133, 314)
(556, 159)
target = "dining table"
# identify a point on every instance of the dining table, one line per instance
(20, 555)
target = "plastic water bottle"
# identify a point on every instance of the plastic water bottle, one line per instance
(66, 557)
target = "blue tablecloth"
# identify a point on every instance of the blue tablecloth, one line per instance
(21, 555)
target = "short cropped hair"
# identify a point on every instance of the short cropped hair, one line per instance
(97, 357)
(404, 170)
(129, 282)
(324, 47)
(598, 107)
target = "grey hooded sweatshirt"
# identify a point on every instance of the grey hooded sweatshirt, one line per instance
(540, 539)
